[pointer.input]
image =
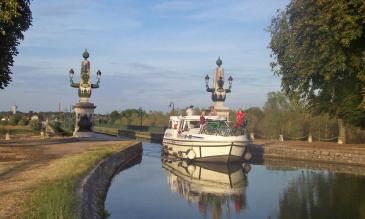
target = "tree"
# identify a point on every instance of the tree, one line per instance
(114, 115)
(23, 121)
(319, 52)
(4, 122)
(15, 18)
(276, 111)
(276, 101)
(35, 124)
(255, 115)
(14, 120)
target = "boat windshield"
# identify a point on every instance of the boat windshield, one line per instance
(220, 127)
(216, 124)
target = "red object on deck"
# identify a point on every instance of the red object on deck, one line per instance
(202, 120)
(240, 118)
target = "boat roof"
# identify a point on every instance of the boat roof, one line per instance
(196, 117)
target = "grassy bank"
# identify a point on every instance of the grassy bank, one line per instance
(17, 130)
(55, 196)
(106, 130)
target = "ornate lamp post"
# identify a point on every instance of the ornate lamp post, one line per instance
(173, 107)
(84, 109)
(218, 91)
(230, 80)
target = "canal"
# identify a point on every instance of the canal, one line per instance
(165, 188)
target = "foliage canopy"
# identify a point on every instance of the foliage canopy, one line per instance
(319, 51)
(15, 18)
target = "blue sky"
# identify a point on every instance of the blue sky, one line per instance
(150, 53)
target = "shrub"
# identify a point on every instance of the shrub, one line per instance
(56, 126)
(35, 125)
(14, 120)
(23, 121)
(4, 122)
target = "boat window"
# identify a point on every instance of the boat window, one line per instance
(186, 127)
(181, 124)
(194, 124)
(214, 124)
(170, 124)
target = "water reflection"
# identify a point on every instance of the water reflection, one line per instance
(215, 188)
(323, 195)
(276, 189)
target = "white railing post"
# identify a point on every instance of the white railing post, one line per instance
(281, 138)
(252, 136)
(7, 136)
(310, 140)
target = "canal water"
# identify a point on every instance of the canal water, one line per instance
(160, 188)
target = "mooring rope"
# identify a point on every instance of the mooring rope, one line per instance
(296, 138)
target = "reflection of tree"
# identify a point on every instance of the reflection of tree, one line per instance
(318, 195)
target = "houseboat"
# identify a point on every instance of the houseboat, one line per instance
(214, 141)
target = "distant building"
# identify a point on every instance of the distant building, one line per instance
(34, 117)
(14, 109)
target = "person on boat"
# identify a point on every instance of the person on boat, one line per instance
(190, 111)
(202, 121)
(213, 112)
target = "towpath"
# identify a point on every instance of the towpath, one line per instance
(22, 163)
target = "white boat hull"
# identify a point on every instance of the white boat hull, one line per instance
(209, 151)
(213, 142)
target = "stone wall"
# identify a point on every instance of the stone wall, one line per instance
(154, 137)
(343, 155)
(285, 164)
(95, 185)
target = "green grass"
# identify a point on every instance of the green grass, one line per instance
(16, 130)
(56, 195)
(106, 130)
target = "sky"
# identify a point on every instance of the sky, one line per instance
(150, 53)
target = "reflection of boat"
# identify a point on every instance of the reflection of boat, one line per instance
(214, 142)
(212, 186)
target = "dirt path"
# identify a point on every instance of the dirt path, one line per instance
(22, 162)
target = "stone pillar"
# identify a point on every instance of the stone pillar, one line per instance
(221, 109)
(84, 119)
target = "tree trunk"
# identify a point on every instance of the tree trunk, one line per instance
(341, 131)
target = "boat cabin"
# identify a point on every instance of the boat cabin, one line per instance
(174, 122)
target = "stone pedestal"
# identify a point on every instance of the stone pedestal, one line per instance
(84, 119)
(221, 109)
